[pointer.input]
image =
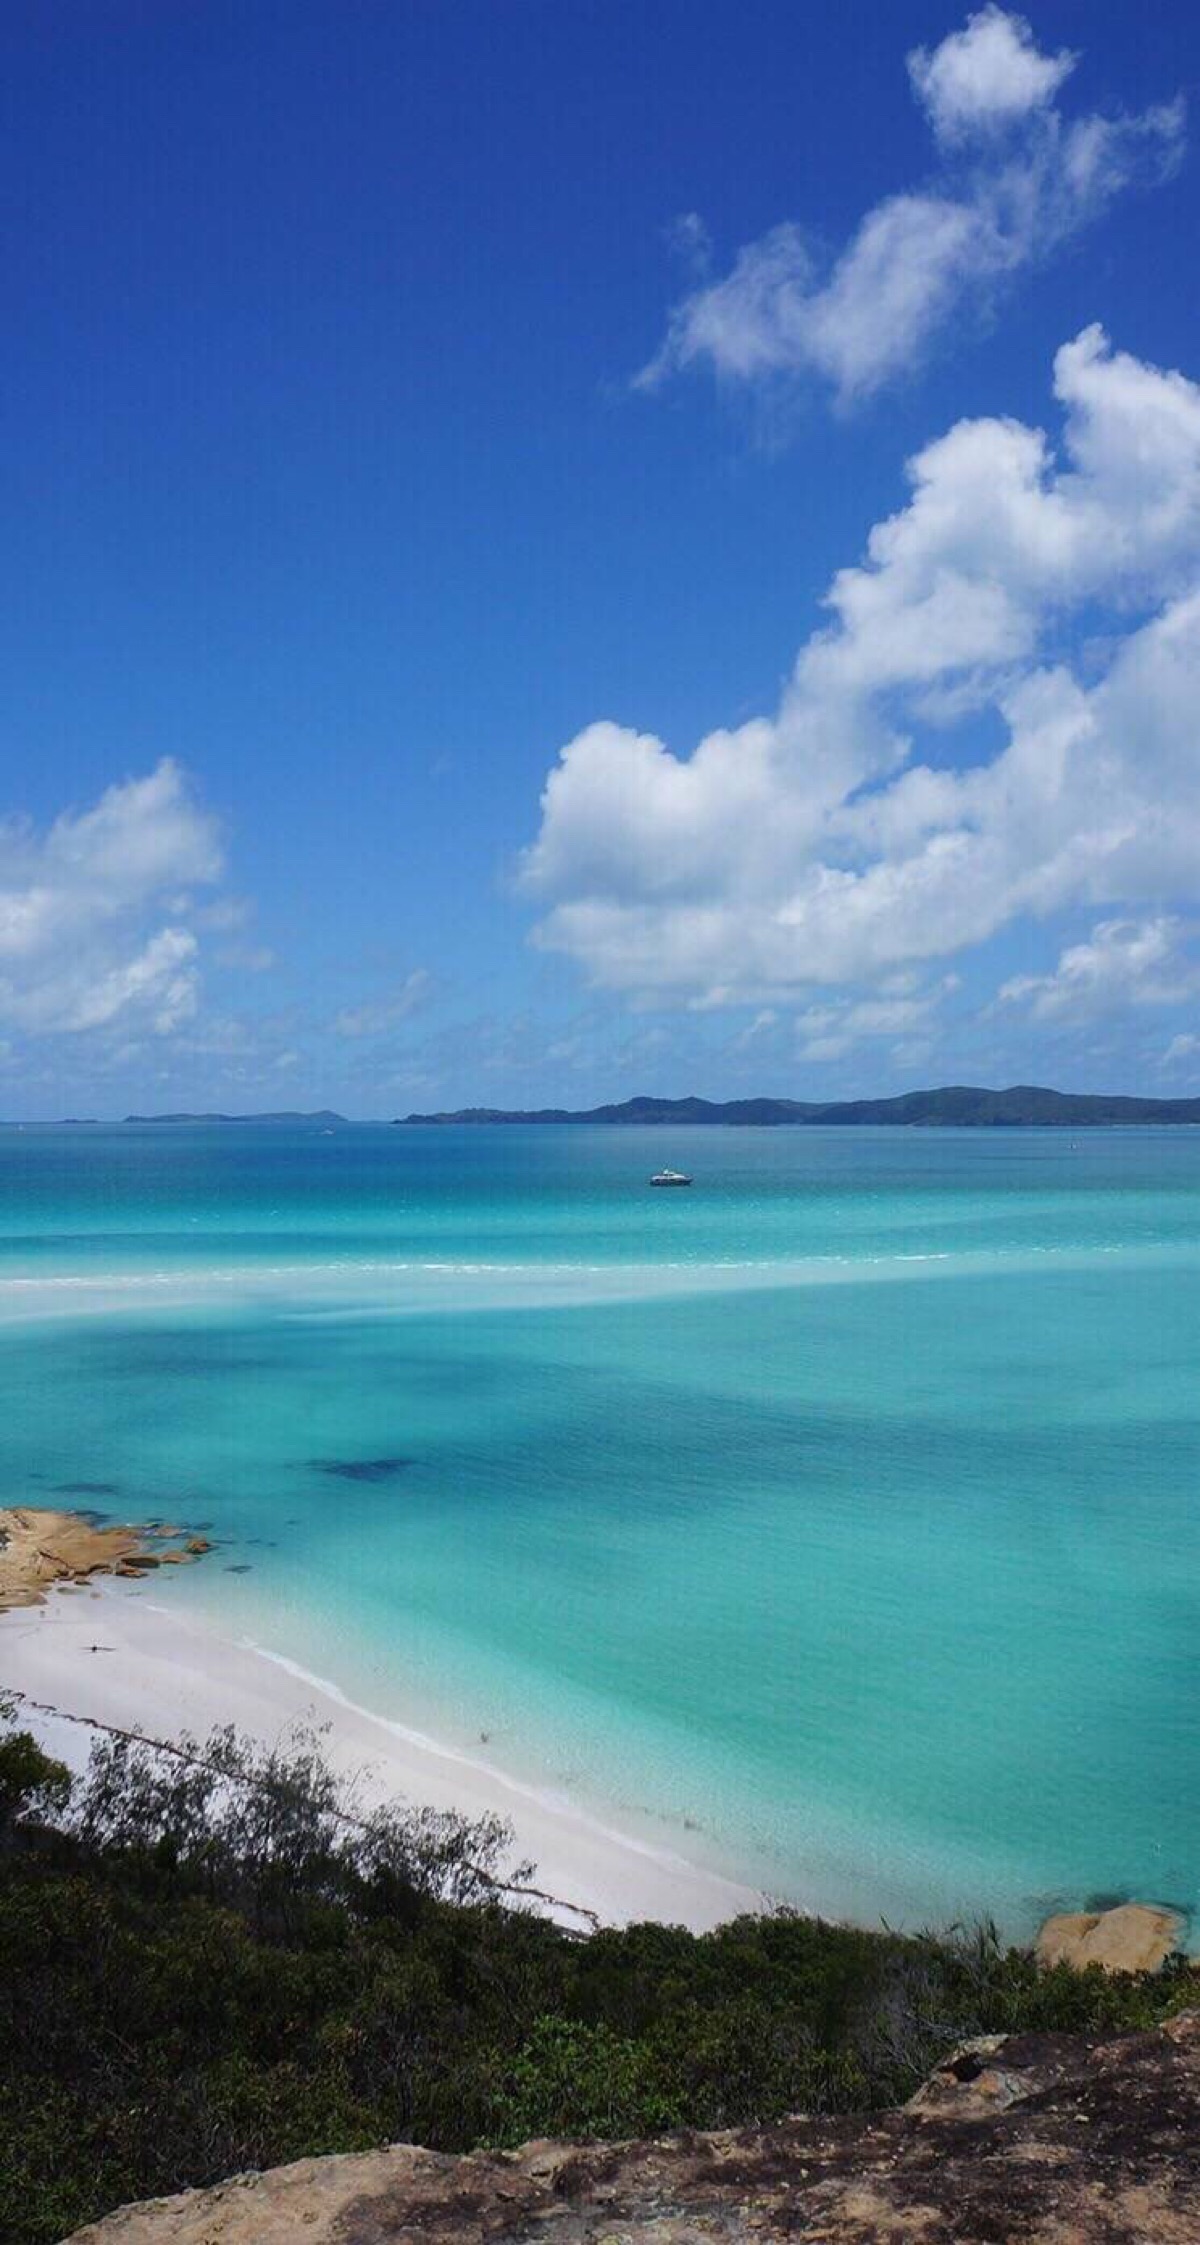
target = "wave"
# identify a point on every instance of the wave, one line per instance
(548, 1798)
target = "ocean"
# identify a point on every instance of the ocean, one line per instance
(834, 1521)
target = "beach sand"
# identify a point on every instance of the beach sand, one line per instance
(110, 1653)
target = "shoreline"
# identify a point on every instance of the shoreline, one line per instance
(98, 1657)
(109, 1656)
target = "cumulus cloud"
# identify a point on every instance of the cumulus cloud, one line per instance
(377, 1017)
(819, 846)
(93, 910)
(1123, 963)
(985, 76)
(829, 1032)
(1016, 181)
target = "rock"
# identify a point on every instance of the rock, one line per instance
(43, 1550)
(1061, 1937)
(1019, 2140)
(971, 2079)
(197, 1546)
(1135, 1937)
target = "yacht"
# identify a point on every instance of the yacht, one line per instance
(669, 1177)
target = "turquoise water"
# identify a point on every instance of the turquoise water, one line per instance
(837, 1518)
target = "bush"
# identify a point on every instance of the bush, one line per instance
(32, 1784)
(217, 1959)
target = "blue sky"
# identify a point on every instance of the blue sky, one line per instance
(473, 631)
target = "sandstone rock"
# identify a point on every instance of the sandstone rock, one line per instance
(1135, 1937)
(43, 1550)
(1024, 2140)
(1061, 1937)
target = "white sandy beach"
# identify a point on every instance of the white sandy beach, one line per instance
(112, 1654)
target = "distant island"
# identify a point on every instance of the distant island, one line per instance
(284, 1115)
(951, 1106)
(957, 1105)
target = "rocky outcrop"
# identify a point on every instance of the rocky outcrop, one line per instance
(43, 1550)
(1134, 1937)
(1025, 2140)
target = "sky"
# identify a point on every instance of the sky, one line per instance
(562, 551)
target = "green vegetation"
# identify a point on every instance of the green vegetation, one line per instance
(960, 1106)
(216, 1960)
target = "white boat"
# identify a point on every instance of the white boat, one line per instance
(670, 1177)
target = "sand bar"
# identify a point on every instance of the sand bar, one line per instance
(114, 1654)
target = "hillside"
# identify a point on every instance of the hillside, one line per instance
(212, 1960)
(950, 1106)
(1023, 2140)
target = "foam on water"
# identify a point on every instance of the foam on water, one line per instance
(362, 1288)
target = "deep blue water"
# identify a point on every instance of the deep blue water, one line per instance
(842, 1509)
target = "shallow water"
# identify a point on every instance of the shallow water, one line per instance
(837, 1517)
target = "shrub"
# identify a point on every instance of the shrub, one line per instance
(218, 1959)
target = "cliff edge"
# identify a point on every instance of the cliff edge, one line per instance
(1019, 2140)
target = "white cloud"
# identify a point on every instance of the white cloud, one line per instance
(1017, 181)
(813, 847)
(985, 76)
(765, 1020)
(160, 979)
(1123, 963)
(829, 1032)
(376, 1018)
(248, 958)
(90, 910)
(1182, 1050)
(688, 237)
(226, 915)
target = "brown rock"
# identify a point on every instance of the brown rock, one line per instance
(1075, 2141)
(1135, 1937)
(1061, 1937)
(40, 1549)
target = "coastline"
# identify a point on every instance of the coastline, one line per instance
(110, 1656)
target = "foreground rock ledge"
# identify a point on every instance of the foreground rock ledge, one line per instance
(1025, 2140)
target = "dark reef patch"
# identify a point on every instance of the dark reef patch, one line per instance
(86, 1488)
(362, 1469)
